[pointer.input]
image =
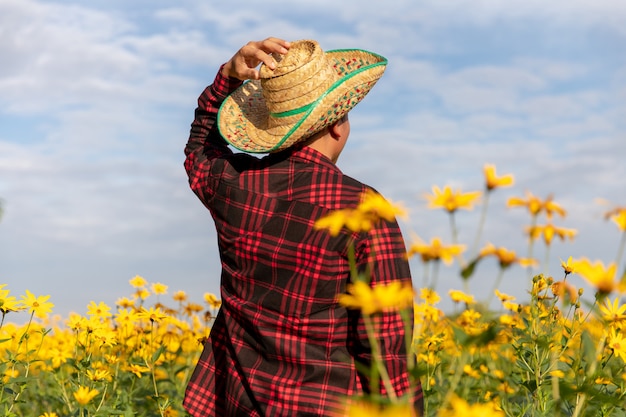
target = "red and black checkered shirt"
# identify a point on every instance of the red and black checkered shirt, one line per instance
(281, 344)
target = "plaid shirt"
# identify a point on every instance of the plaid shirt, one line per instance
(281, 345)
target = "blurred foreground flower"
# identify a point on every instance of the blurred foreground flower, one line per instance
(372, 208)
(505, 257)
(460, 408)
(436, 251)
(370, 300)
(492, 181)
(535, 205)
(451, 200)
(603, 278)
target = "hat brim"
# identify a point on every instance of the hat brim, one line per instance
(244, 121)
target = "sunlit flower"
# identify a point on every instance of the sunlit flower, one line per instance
(468, 370)
(450, 200)
(503, 297)
(505, 257)
(138, 282)
(152, 314)
(549, 231)
(365, 408)
(618, 215)
(460, 297)
(51, 414)
(535, 205)
(601, 277)
(562, 288)
(384, 297)
(97, 375)
(159, 288)
(100, 310)
(84, 395)
(436, 251)
(459, 407)
(125, 302)
(613, 312)
(493, 181)
(142, 293)
(138, 370)
(429, 296)
(180, 296)
(8, 302)
(618, 344)
(212, 300)
(37, 305)
(568, 267)
(378, 207)
(372, 208)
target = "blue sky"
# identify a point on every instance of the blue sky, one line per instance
(96, 99)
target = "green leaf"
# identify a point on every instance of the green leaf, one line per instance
(468, 271)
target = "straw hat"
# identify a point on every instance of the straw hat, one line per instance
(308, 90)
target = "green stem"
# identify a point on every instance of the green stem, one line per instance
(620, 251)
(378, 362)
(481, 224)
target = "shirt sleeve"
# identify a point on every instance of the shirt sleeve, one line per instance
(205, 143)
(383, 253)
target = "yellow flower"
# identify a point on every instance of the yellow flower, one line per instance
(460, 297)
(503, 297)
(493, 181)
(618, 344)
(567, 266)
(8, 303)
(429, 296)
(365, 408)
(84, 395)
(536, 205)
(385, 297)
(436, 251)
(152, 314)
(125, 302)
(467, 369)
(51, 414)
(159, 288)
(460, 408)
(451, 200)
(138, 370)
(372, 208)
(376, 206)
(99, 375)
(212, 300)
(601, 277)
(100, 310)
(557, 373)
(180, 296)
(37, 305)
(142, 293)
(618, 215)
(549, 231)
(138, 282)
(505, 257)
(613, 312)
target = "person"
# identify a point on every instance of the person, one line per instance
(281, 344)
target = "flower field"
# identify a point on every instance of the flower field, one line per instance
(559, 352)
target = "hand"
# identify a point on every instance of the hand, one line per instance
(244, 63)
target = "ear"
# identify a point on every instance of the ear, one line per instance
(334, 130)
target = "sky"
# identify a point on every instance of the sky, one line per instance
(96, 99)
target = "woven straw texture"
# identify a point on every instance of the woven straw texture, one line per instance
(309, 90)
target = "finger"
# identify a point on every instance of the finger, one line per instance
(260, 52)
